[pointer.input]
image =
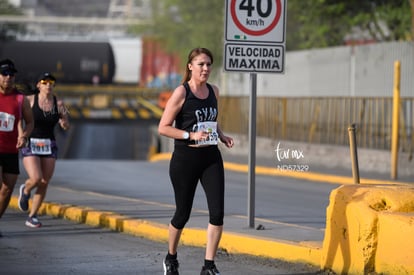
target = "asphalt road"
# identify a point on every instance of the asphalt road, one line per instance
(286, 200)
(64, 247)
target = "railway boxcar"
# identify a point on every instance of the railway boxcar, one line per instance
(70, 62)
(160, 69)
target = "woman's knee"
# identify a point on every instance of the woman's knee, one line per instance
(34, 180)
(6, 190)
(180, 220)
(44, 182)
(217, 218)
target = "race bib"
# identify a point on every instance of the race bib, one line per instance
(211, 128)
(41, 146)
(6, 122)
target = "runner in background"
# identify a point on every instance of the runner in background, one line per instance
(39, 157)
(16, 123)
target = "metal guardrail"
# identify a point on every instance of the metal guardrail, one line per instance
(110, 102)
(322, 120)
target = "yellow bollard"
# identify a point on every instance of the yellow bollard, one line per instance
(354, 153)
(395, 121)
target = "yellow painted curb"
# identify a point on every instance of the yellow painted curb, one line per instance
(160, 157)
(230, 242)
(277, 249)
(273, 171)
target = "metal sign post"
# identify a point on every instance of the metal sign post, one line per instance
(251, 193)
(254, 42)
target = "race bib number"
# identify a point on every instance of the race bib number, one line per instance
(41, 146)
(211, 128)
(6, 122)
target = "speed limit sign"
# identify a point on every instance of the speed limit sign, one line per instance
(255, 36)
(254, 42)
(255, 21)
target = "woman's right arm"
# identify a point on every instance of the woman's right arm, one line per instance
(173, 106)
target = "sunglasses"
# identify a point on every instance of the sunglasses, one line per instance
(47, 81)
(7, 73)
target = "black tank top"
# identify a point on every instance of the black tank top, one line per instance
(44, 122)
(195, 110)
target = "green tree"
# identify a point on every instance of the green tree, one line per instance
(182, 25)
(9, 31)
(325, 23)
(412, 19)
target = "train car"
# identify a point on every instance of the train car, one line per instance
(160, 69)
(70, 62)
(128, 60)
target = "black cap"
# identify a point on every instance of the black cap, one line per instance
(7, 66)
(45, 76)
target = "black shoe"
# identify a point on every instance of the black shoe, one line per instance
(171, 267)
(23, 199)
(210, 271)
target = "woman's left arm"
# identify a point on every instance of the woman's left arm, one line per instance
(228, 141)
(63, 115)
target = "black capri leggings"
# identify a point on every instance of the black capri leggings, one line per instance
(188, 165)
